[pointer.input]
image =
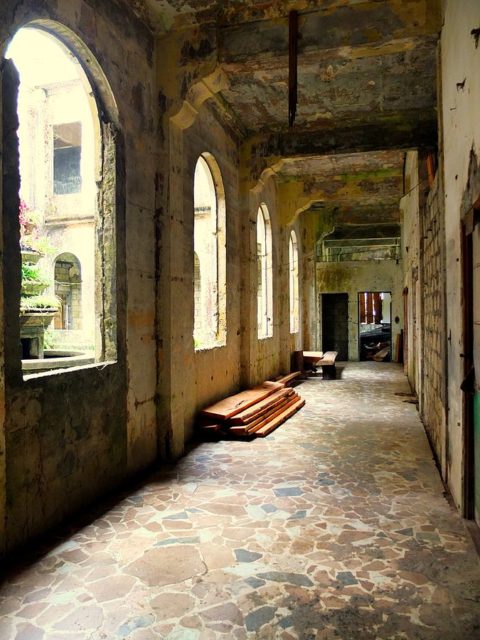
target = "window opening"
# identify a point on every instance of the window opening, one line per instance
(293, 282)
(67, 146)
(68, 288)
(63, 304)
(264, 274)
(209, 255)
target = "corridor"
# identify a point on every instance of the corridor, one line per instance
(335, 526)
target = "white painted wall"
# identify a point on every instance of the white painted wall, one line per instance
(460, 110)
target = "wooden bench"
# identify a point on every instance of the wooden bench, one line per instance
(312, 359)
(328, 365)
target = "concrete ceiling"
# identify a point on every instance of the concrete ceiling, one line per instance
(366, 82)
(358, 61)
(359, 192)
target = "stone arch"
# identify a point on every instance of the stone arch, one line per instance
(210, 251)
(265, 273)
(105, 193)
(68, 287)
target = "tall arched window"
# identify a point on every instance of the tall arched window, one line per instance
(293, 282)
(67, 165)
(264, 273)
(68, 289)
(209, 328)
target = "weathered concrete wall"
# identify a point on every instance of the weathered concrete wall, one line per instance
(460, 61)
(204, 375)
(411, 238)
(432, 405)
(72, 436)
(262, 358)
(189, 379)
(424, 279)
(353, 278)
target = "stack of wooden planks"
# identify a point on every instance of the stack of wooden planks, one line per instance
(254, 412)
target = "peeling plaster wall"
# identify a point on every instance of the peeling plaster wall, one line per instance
(433, 401)
(423, 246)
(205, 375)
(293, 341)
(72, 436)
(262, 358)
(353, 278)
(411, 267)
(460, 62)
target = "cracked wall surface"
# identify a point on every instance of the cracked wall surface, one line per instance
(214, 78)
(70, 437)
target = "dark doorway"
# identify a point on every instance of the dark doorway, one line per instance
(375, 326)
(335, 323)
(471, 397)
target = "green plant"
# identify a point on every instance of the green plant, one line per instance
(33, 273)
(40, 302)
(48, 339)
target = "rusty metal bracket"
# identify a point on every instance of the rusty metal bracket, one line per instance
(292, 66)
(475, 33)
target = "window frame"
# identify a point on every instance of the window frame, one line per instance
(109, 210)
(294, 282)
(214, 288)
(265, 269)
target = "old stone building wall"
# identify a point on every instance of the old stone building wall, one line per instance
(262, 356)
(411, 255)
(353, 278)
(70, 436)
(210, 373)
(460, 81)
(432, 406)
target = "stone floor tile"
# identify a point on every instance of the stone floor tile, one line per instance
(334, 526)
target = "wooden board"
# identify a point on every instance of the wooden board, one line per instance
(228, 407)
(289, 377)
(210, 427)
(381, 355)
(271, 413)
(312, 356)
(328, 359)
(276, 422)
(252, 412)
(253, 426)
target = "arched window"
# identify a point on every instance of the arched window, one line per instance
(197, 292)
(209, 255)
(264, 273)
(68, 289)
(293, 282)
(67, 164)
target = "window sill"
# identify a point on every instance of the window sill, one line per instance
(210, 347)
(64, 370)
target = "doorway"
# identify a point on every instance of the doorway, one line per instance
(375, 325)
(471, 395)
(335, 324)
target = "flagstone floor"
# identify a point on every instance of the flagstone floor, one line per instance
(333, 527)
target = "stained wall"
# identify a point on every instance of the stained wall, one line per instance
(353, 278)
(71, 436)
(460, 80)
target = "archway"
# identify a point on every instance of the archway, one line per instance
(67, 194)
